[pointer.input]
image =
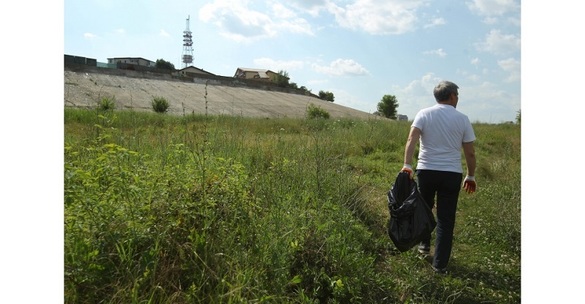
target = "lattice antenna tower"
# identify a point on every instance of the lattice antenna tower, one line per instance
(187, 46)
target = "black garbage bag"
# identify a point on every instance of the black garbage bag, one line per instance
(410, 217)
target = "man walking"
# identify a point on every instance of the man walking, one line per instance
(442, 132)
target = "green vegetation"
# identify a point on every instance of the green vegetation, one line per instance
(216, 209)
(326, 95)
(387, 106)
(160, 104)
(281, 79)
(314, 111)
(164, 65)
(106, 104)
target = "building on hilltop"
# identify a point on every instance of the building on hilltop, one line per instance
(192, 71)
(256, 74)
(401, 117)
(132, 60)
(71, 59)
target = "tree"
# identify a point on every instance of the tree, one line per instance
(165, 65)
(326, 96)
(387, 106)
(281, 79)
(518, 117)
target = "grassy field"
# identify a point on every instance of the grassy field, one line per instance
(216, 209)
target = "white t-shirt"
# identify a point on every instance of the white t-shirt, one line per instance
(443, 131)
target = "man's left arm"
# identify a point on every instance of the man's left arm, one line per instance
(469, 151)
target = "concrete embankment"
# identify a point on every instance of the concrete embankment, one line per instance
(86, 88)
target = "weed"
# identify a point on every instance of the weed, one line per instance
(160, 105)
(106, 104)
(314, 111)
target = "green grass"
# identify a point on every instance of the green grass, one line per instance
(217, 209)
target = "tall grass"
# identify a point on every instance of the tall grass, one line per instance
(217, 209)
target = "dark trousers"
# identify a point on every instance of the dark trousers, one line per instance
(445, 186)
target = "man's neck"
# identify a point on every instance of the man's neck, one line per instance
(448, 103)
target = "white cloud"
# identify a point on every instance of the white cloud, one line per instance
(473, 77)
(297, 25)
(164, 33)
(475, 61)
(498, 43)
(435, 22)
(490, 8)
(312, 7)
(89, 36)
(277, 65)
(280, 11)
(416, 95)
(488, 99)
(120, 31)
(512, 67)
(494, 11)
(378, 16)
(342, 67)
(239, 22)
(475, 99)
(236, 21)
(438, 52)
(289, 21)
(468, 75)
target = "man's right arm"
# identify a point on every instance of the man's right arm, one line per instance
(413, 138)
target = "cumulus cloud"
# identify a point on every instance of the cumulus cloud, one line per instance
(512, 67)
(438, 52)
(435, 22)
(89, 36)
(476, 99)
(416, 95)
(280, 11)
(277, 65)
(491, 8)
(237, 21)
(473, 77)
(243, 20)
(342, 67)
(312, 7)
(378, 16)
(497, 43)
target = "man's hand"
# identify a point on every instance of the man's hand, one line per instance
(469, 184)
(408, 168)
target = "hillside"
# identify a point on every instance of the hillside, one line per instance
(85, 88)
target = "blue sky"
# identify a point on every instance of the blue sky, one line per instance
(360, 50)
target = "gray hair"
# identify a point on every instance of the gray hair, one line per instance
(444, 89)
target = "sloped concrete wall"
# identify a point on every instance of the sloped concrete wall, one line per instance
(84, 88)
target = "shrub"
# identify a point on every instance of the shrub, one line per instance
(106, 104)
(314, 111)
(160, 104)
